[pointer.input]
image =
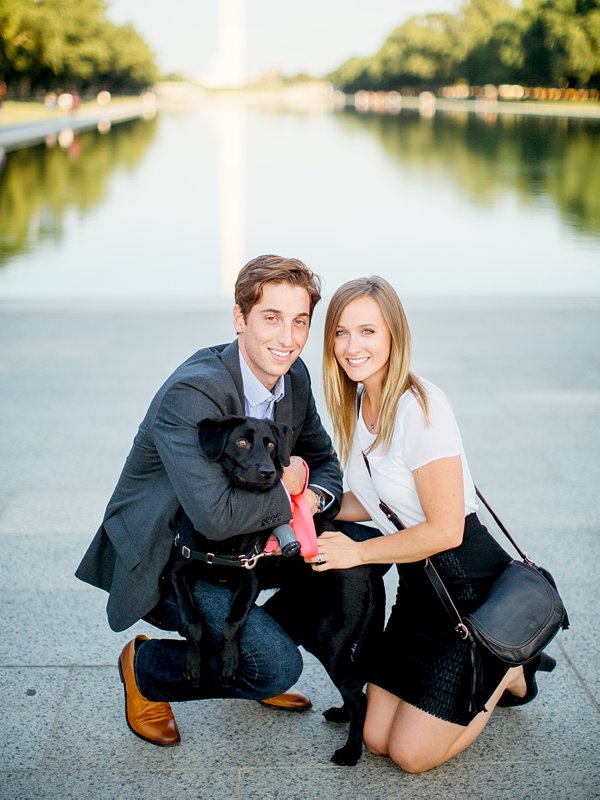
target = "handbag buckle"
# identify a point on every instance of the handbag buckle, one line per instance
(462, 631)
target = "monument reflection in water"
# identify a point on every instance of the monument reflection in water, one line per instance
(450, 204)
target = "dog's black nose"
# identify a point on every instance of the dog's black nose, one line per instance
(266, 471)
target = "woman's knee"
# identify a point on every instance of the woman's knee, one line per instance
(411, 758)
(375, 741)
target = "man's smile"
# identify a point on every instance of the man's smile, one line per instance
(280, 355)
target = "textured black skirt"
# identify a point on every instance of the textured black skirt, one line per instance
(420, 658)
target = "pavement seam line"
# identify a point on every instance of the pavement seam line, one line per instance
(579, 677)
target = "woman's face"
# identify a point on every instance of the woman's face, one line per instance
(363, 342)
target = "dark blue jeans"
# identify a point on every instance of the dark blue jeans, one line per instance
(270, 662)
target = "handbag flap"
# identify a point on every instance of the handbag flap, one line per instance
(521, 603)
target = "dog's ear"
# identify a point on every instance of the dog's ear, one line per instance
(283, 437)
(212, 433)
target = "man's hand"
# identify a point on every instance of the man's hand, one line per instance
(294, 476)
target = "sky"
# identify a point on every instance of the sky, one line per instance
(311, 36)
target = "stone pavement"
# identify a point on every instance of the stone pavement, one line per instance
(524, 379)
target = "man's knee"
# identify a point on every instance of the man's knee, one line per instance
(281, 671)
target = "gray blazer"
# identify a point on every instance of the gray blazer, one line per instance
(166, 469)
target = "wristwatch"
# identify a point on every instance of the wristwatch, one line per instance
(321, 499)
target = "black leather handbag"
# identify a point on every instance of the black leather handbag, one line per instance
(522, 613)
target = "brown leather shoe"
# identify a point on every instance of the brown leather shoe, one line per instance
(153, 722)
(289, 701)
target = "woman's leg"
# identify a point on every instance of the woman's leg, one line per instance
(417, 741)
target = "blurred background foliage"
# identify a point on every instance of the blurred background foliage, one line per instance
(70, 45)
(538, 43)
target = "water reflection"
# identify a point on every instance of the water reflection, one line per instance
(441, 205)
(535, 157)
(40, 185)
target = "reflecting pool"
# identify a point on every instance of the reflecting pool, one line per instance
(452, 204)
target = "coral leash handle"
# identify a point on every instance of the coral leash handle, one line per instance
(304, 526)
(302, 523)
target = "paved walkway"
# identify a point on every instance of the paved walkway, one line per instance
(524, 378)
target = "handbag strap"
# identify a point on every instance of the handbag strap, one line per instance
(447, 601)
(502, 527)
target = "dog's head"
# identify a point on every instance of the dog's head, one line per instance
(252, 451)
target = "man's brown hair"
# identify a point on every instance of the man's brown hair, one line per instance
(274, 269)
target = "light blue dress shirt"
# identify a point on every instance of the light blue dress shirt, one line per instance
(259, 402)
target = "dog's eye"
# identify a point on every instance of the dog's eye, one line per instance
(270, 445)
(243, 443)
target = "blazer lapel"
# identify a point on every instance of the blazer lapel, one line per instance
(230, 358)
(283, 409)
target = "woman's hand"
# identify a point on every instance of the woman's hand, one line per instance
(336, 551)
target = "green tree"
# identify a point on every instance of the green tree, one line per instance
(70, 44)
(426, 49)
(539, 42)
(491, 42)
(562, 41)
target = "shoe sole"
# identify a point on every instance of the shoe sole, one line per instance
(296, 709)
(135, 733)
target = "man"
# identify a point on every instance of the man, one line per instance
(258, 375)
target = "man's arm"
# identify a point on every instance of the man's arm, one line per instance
(216, 508)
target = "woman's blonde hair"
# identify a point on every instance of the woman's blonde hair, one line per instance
(341, 391)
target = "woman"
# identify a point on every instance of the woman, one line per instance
(401, 445)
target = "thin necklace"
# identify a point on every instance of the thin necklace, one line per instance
(370, 425)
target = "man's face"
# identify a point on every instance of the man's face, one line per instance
(275, 331)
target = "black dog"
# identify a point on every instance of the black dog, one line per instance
(335, 615)
(253, 453)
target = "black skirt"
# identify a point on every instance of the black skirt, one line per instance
(420, 658)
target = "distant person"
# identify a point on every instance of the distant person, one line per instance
(165, 473)
(419, 695)
(3, 90)
(50, 100)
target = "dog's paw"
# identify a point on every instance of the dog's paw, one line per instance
(335, 714)
(229, 664)
(347, 756)
(194, 677)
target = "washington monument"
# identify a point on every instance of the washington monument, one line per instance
(229, 66)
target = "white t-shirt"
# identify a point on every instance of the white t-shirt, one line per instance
(414, 443)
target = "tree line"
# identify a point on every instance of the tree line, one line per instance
(71, 45)
(539, 43)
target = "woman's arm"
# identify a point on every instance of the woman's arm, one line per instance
(439, 486)
(352, 510)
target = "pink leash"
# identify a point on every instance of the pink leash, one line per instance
(302, 524)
